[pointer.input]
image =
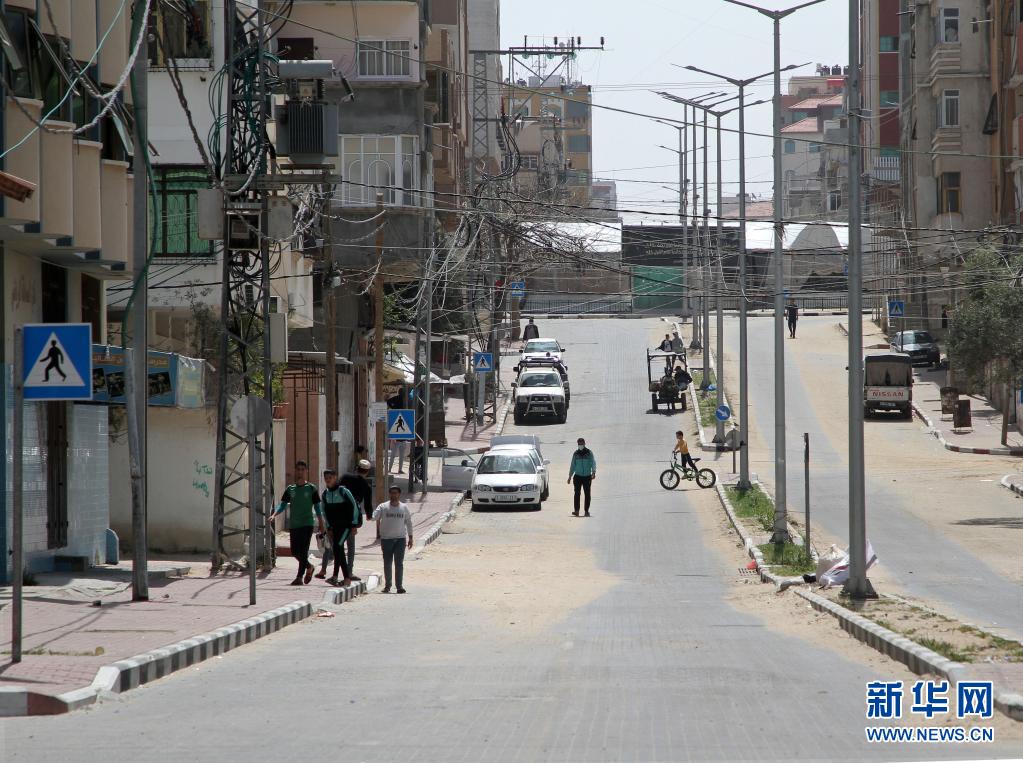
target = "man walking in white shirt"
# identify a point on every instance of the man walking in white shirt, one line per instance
(394, 525)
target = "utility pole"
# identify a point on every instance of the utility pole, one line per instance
(136, 363)
(695, 342)
(780, 533)
(330, 319)
(857, 586)
(378, 357)
(719, 429)
(704, 270)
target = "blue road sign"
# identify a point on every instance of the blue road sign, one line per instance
(401, 424)
(896, 308)
(518, 288)
(483, 362)
(58, 361)
(723, 413)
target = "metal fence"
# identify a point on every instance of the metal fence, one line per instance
(577, 304)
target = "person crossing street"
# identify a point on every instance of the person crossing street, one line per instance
(394, 523)
(343, 515)
(581, 473)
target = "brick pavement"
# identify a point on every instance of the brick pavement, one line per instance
(66, 641)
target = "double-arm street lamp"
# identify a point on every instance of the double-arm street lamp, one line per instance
(742, 84)
(781, 532)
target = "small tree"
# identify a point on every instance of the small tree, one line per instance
(985, 339)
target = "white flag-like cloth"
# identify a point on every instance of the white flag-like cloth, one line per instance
(839, 572)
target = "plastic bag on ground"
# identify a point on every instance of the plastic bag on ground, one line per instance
(839, 573)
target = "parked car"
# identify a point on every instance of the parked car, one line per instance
(919, 345)
(538, 461)
(539, 392)
(546, 347)
(507, 479)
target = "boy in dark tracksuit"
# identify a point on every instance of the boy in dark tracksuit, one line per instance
(581, 472)
(343, 517)
(304, 500)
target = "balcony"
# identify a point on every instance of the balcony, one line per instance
(947, 139)
(886, 169)
(23, 161)
(946, 60)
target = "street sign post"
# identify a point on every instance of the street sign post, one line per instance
(518, 288)
(483, 362)
(723, 413)
(52, 361)
(401, 424)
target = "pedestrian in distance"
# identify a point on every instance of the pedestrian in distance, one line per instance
(666, 346)
(306, 514)
(581, 473)
(792, 314)
(530, 331)
(682, 380)
(394, 526)
(343, 516)
(678, 347)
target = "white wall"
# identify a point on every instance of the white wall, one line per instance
(182, 455)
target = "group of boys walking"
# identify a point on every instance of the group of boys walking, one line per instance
(335, 516)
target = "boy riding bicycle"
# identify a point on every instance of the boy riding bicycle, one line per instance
(682, 449)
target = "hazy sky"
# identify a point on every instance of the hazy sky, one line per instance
(643, 39)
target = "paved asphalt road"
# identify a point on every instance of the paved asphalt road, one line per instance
(617, 644)
(927, 561)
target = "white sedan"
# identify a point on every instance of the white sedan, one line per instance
(506, 479)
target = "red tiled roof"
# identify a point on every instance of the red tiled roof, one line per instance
(803, 125)
(755, 210)
(808, 104)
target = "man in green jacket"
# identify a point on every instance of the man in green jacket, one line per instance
(343, 516)
(304, 500)
(581, 472)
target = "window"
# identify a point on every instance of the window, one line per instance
(384, 163)
(175, 211)
(889, 43)
(948, 30)
(20, 64)
(180, 34)
(84, 107)
(518, 107)
(889, 99)
(296, 48)
(949, 193)
(790, 176)
(790, 147)
(948, 109)
(384, 58)
(116, 133)
(834, 201)
(814, 148)
(53, 79)
(578, 144)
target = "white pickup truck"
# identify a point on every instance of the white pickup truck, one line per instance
(888, 384)
(539, 392)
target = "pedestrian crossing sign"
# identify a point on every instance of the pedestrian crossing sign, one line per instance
(57, 360)
(518, 288)
(483, 362)
(896, 308)
(401, 424)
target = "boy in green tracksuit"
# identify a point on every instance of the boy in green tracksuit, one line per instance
(343, 516)
(304, 499)
(582, 471)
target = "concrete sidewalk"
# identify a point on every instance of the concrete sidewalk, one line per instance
(985, 437)
(76, 627)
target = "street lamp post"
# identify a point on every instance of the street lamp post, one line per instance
(857, 586)
(781, 532)
(741, 84)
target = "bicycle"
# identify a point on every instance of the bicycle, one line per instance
(674, 474)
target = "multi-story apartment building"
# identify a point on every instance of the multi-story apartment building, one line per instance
(65, 211)
(882, 102)
(1004, 121)
(944, 127)
(566, 100)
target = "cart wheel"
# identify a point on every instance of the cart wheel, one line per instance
(706, 478)
(669, 479)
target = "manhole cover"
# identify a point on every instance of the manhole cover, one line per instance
(748, 573)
